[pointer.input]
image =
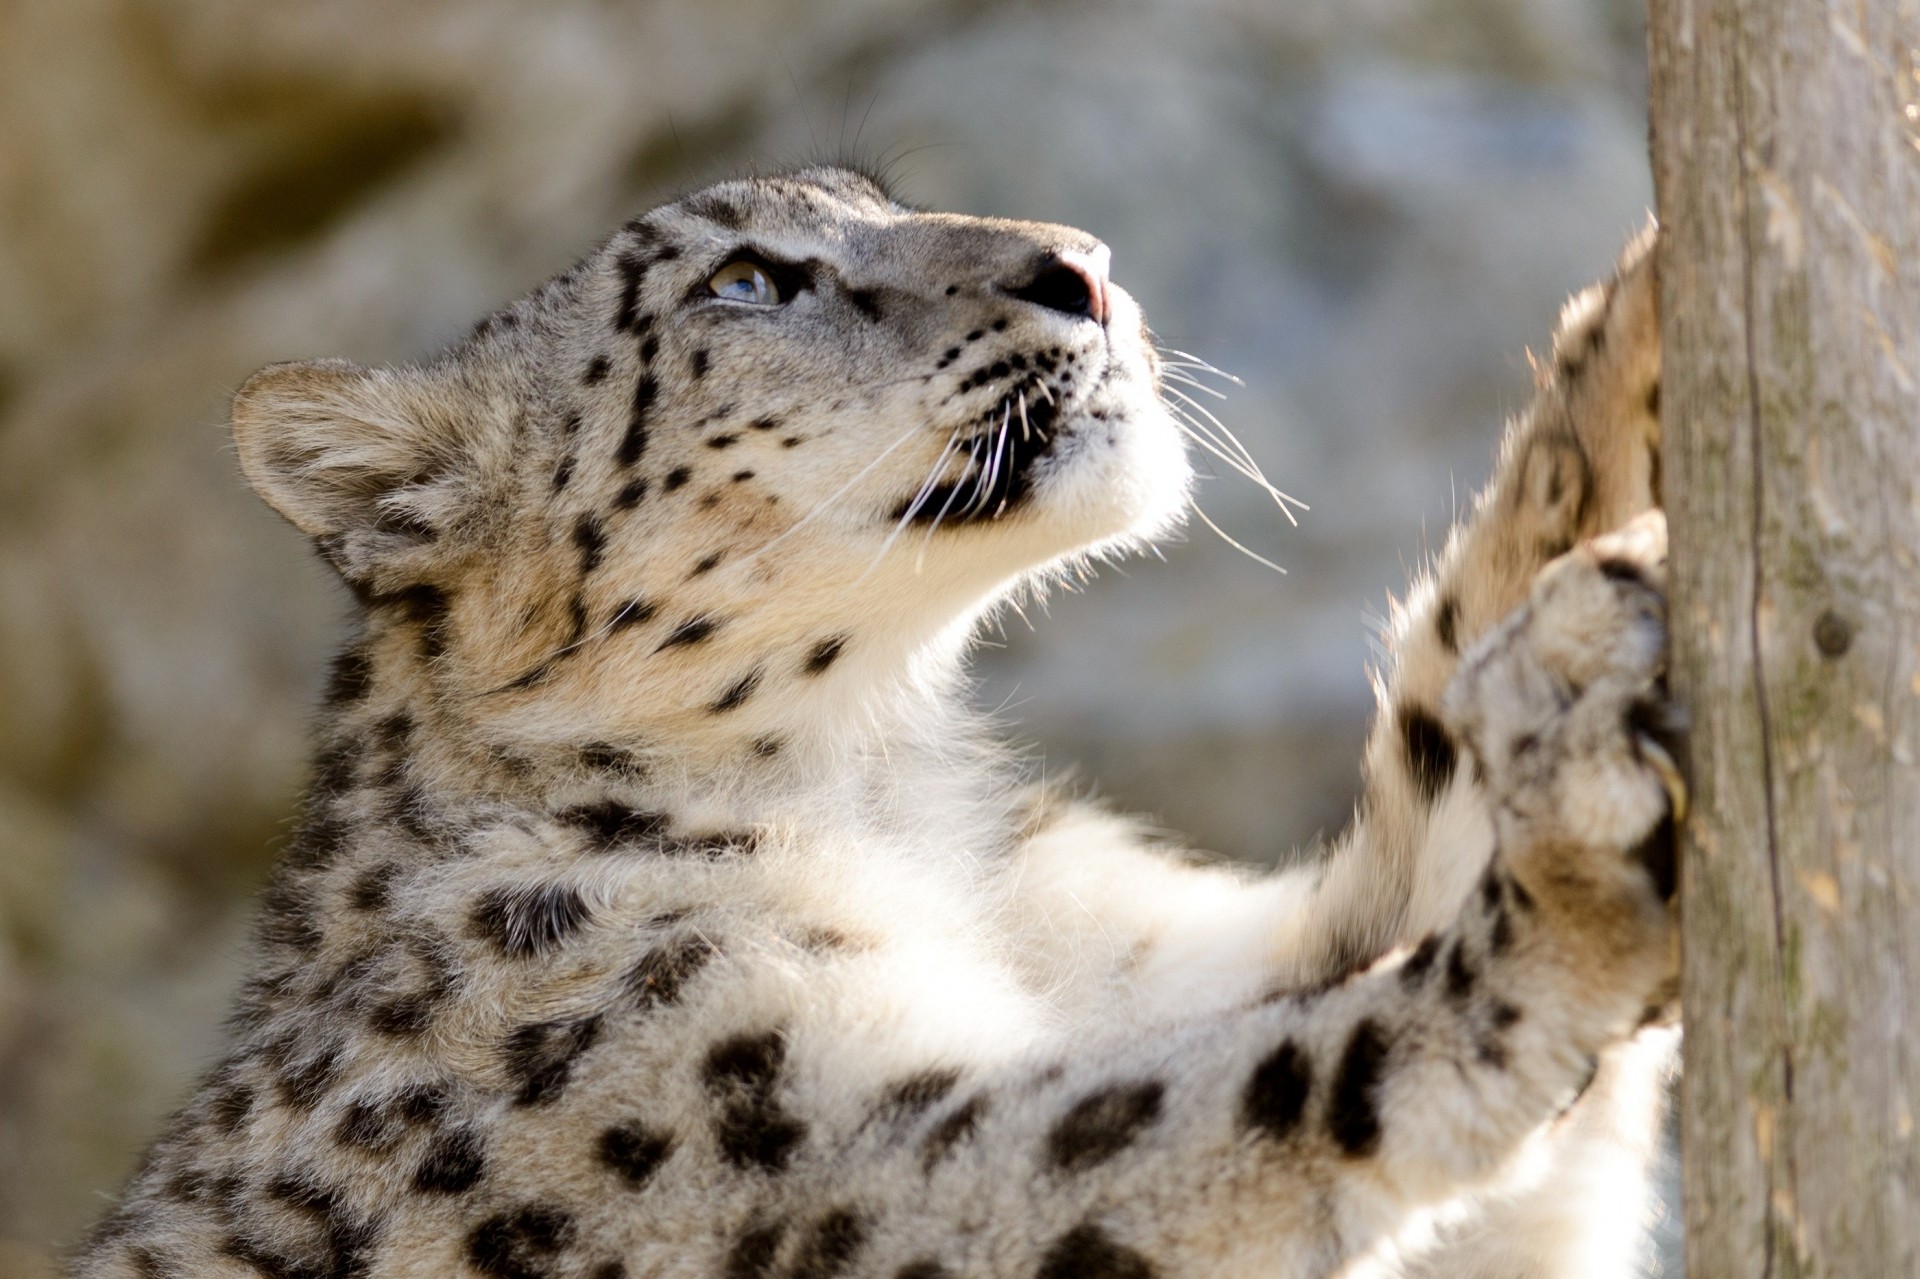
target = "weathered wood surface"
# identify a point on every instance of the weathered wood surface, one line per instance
(1786, 149)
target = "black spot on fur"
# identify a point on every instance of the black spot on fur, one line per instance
(741, 477)
(351, 676)
(609, 823)
(954, 1129)
(723, 441)
(754, 1129)
(1353, 1111)
(453, 1165)
(632, 613)
(231, 1107)
(1102, 1124)
(913, 1096)
(691, 631)
(634, 1151)
(1414, 971)
(697, 364)
(656, 980)
(529, 919)
(767, 747)
(1500, 936)
(632, 270)
(649, 348)
(677, 477)
(710, 562)
(591, 537)
(866, 303)
(741, 690)
(306, 1085)
(825, 654)
(1088, 1252)
(923, 1268)
(1431, 754)
(1460, 973)
(1277, 1091)
(596, 371)
(752, 1255)
(541, 1057)
(526, 1243)
(1617, 569)
(765, 424)
(425, 606)
(634, 442)
(1446, 623)
(629, 495)
(829, 1246)
(1657, 854)
(563, 473)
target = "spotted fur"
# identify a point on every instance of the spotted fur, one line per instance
(658, 910)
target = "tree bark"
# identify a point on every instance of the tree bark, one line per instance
(1786, 148)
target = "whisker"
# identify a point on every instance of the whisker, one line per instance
(1257, 558)
(1198, 363)
(1280, 499)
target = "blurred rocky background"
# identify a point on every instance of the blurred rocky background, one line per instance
(1365, 208)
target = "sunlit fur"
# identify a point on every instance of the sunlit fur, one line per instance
(661, 909)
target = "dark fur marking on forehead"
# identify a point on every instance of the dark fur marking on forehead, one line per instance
(707, 563)
(542, 1056)
(1277, 1092)
(1089, 1252)
(634, 442)
(697, 363)
(649, 348)
(563, 473)
(305, 1086)
(632, 613)
(1353, 1111)
(1430, 751)
(591, 537)
(596, 370)
(717, 209)
(632, 269)
(765, 424)
(634, 1151)
(692, 631)
(767, 747)
(737, 694)
(723, 441)
(678, 476)
(741, 477)
(526, 1243)
(658, 978)
(825, 653)
(630, 494)
(1104, 1123)
(830, 1246)
(524, 920)
(453, 1164)
(792, 441)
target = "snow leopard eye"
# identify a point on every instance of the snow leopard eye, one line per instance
(744, 281)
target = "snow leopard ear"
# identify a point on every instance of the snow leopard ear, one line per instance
(374, 464)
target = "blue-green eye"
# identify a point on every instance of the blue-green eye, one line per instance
(742, 281)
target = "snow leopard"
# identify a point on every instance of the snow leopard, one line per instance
(660, 908)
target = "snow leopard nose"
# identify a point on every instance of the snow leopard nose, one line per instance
(1070, 281)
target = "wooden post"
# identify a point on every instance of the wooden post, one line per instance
(1786, 149)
